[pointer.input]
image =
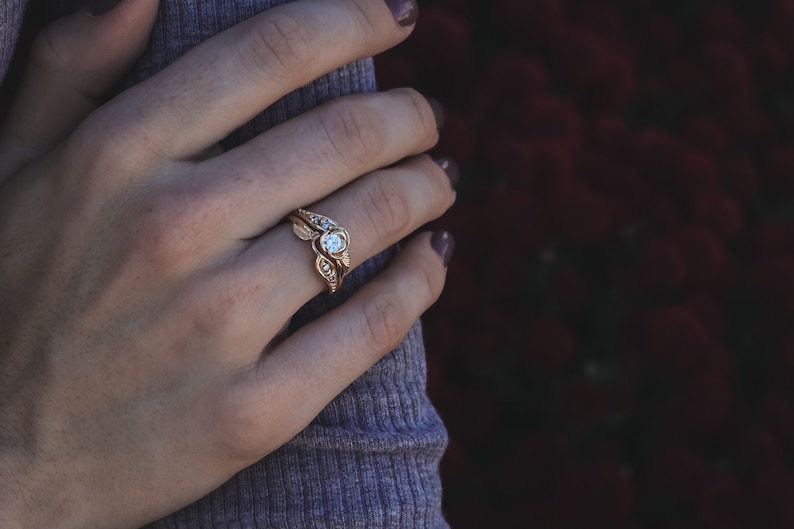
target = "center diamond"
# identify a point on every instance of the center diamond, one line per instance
(333, 243)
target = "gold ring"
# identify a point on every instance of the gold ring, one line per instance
(329, 241)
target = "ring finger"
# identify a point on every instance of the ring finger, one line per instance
(378, 210)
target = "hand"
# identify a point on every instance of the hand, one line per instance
(143, 271)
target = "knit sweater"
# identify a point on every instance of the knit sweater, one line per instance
(370, 458)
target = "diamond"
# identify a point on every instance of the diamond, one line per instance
(326, 224)
(333, 243)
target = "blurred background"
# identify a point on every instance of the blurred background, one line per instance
(615, 346)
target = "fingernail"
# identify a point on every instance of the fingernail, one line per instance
(405, 11)
(438, 111)
(443, 244)
(450, 168)
(100, 7)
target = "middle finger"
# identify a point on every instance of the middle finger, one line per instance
(227, 80)
(308, 157)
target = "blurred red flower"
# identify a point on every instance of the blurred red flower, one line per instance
(718, 212)
(771, 495)
(724, 504)
(660, 38)
(674, 339)
(566, 287)
(678, 472)
(707, 135)
(511, 77)
(441, 39)
(528, 22)
(721, 23)
(705, 405)
(665, 264)
(548, 117)
(741, 177)
(773, 279)
(549, 345)
(780, 170)
(708, 260)
(582, 215)
(581, 403)
(759, 449)
(603, 494)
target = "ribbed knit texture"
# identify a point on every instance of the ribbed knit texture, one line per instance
(11, 13)
(370, 459)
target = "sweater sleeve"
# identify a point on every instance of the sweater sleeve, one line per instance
(370, 459)
(11, 13)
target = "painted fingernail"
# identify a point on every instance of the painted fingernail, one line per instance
(405, 11)
(443, 244)
(100, 7)
(438, 111)
(450, 167)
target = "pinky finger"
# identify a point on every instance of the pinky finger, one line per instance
(305, 372)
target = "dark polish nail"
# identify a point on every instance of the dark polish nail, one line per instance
(443, 244)
(100, 7)
(405, 11)
(450, 167)
(438, 111)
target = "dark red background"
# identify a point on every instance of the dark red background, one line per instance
(615, 346)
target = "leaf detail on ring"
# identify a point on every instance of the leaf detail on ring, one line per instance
(303, 232)
(326, 268)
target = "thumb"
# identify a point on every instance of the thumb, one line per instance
(74, 63)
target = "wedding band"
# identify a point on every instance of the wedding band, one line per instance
(330, 243)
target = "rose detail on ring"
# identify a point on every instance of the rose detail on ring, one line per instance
(330, 243)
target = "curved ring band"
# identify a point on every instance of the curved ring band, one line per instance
(330, 243)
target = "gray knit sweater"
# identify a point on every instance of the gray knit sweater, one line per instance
(370, 459)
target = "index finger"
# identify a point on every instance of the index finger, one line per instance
(227, 80)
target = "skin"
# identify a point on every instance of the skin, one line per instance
(143, 271)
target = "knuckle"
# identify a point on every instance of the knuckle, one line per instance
(111, 143)
(384, 323)
(227, 313)
(366, 22)
(386, 207)
(48, 52)
(431, 280)
(279, 41)
(352, 132)
(439, 182)
(166, 227)
(423, 113)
